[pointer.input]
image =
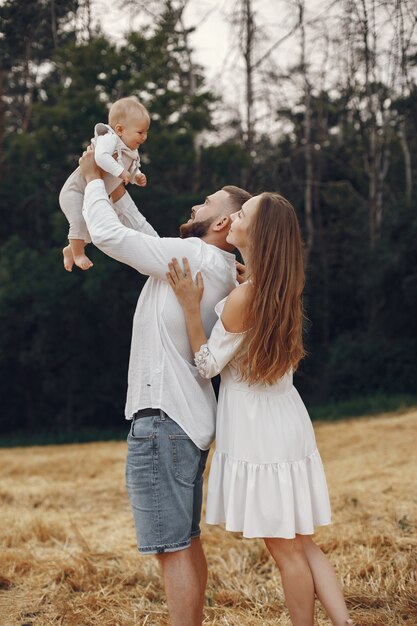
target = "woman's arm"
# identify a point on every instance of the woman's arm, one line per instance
(213, 354)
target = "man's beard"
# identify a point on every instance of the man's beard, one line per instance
(195, 229)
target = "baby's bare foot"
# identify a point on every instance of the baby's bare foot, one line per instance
(68, 258)
(83, 262)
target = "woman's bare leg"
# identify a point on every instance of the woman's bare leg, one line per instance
(297, 580)
(326, 585)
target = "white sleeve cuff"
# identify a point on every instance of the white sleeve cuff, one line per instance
(97, 183)
(124, 203)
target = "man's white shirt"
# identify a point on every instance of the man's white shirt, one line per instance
(162, 373)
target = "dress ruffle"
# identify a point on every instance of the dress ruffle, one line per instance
(268, 500)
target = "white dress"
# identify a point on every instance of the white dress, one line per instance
(266, 477)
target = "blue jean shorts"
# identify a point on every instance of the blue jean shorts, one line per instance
(164, 480)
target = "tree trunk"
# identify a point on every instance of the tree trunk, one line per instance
(53, 24)
(1, 122)
(372, 185)
(89, 19)
(249, 31)
(407, 161)
(308, 155)
(308, 191)
(323, 260)
(29, 88)
(382, 173)
(192, 89)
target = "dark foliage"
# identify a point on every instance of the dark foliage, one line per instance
(65, 338)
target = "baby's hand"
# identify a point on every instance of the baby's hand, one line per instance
(140, 179)
(125, 176)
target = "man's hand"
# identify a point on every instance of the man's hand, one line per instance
(140, 179)
(88, 166)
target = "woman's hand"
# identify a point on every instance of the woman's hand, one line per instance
(240, 272)
(189, 294)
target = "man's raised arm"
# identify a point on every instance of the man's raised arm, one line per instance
(148, 254)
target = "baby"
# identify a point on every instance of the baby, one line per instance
(116, 152)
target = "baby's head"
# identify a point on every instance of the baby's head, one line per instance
(130, 120)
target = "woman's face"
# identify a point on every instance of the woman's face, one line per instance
(241, 221)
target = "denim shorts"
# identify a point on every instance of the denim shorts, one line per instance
(164, 480)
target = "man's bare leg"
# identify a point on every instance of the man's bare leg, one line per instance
(81, 260)
(185, 576)
(201, 563)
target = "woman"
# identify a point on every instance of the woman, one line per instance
(266, 478)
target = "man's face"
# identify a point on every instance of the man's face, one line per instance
(203, 215)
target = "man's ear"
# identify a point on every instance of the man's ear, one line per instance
(222, 222)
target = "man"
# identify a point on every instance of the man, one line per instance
(171, 407)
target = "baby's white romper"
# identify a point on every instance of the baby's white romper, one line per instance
(107, 145)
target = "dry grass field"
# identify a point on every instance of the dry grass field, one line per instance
(68, 554)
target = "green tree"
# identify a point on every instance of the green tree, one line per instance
(66, 336)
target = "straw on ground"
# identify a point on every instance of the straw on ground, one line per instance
(68, 545)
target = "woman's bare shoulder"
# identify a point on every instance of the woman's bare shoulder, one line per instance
(233, 314)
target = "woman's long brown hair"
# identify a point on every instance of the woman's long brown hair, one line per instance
(273, 343)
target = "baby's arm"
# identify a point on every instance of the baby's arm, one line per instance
(103, 154)
(138, 177)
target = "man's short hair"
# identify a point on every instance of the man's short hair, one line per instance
(237, 196)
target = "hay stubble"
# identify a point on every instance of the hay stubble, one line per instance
(68, 554)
